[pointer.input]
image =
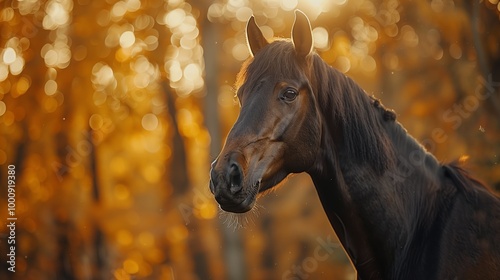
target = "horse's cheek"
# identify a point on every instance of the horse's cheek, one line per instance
(304, 147)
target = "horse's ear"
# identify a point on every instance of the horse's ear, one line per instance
(255, 39)
(301, 34)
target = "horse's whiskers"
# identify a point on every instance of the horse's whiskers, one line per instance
(240, 220)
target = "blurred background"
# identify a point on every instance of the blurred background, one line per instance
(111, 112)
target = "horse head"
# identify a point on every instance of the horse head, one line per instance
(278, 129)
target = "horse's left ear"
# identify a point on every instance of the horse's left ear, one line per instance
(302, 34)
(255, 39)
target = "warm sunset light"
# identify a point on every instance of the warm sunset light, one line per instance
(112, 113)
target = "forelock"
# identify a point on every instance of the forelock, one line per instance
(277, 59)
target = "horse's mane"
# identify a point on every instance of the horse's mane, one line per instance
(466, 184)
(344, 100)
(339, 97)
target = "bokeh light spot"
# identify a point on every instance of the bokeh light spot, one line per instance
(175, 71)
(127, 39)
(119, 9)
(343, 64)
(320, 35)
(133, 5)
(149, 122)
(22, 85)
(240, 52)
(17, 66)
(243, 14)
(216, 10)
(96, 121)
(368, 64)
(175, 18)
(8, 118)
(208, 211)
(7, 14)
(80, 53)
(102, 75)
(50, 87)
(51, 57)
(3, 108)
(289, 5)
(121, 274)
(4, 72)
(130, 266)
(9, 56)
(192, 71)
(409, 36)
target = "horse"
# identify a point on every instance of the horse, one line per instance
(398, 212)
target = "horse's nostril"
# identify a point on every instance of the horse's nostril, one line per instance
(235, 178)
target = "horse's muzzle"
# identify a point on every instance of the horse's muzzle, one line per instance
(226, 184)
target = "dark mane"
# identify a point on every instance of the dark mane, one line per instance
(343, 100)
(467, 185)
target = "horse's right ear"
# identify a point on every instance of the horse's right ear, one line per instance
(255, 39)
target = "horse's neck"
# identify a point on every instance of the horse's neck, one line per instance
(373, 214)
(389, 202)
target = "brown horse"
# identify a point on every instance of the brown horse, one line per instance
(398, 212)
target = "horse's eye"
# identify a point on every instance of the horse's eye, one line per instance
(289, 94)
